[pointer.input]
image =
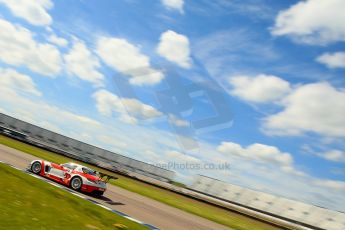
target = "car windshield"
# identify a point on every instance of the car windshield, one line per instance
(89, 171)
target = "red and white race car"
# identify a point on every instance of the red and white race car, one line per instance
(78, 177)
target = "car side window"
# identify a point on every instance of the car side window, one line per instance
(89, 171)
(69, 166)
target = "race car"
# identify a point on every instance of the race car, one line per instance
(78, 177)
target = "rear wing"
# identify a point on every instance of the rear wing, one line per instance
(106, 178)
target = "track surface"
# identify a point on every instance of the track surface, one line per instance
(135, 205)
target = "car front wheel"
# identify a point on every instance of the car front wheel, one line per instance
(76, 183)
(36, 167)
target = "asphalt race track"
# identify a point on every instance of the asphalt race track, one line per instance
(132, 204)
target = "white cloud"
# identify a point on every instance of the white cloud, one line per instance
(260, 152)
(174, 4)
(291, 170)
(175, 48)
(313, 21)
(178, 122)
(261, 88)
(128, 59)
(81, 63)
(18, 47)
(130, 110)
(254, 9)
(181, 158)
(317, 107)
(34, 12)
(332, 60)
(324, 152)
(57, 40)
(330, 184)
(10, 79)
(333, 155)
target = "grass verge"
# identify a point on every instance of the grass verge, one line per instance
(29, 203)
(207, 211)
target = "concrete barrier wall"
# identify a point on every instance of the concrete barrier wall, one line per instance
(286, 208)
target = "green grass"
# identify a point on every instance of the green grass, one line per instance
(29, 203)
(208, 211)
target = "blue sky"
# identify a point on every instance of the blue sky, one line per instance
(258, 85)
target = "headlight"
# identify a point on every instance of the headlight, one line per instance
(101, 183)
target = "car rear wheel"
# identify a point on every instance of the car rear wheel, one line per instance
(36, 167)
(76, 183)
